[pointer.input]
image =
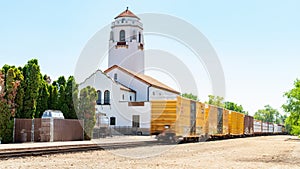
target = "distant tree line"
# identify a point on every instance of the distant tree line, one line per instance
(26, 93)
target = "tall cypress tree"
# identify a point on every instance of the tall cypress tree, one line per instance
(61, 81)
(42, 102)
(33, 83)
(20, 93)
(62, 101)
(8, 92)
(54, 99)
(86, 109)
(71, 97)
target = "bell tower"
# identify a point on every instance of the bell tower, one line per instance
(126, 43)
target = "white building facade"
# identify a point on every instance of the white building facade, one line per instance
(124, 92)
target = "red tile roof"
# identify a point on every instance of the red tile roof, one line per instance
(144, 78)
(127, 13)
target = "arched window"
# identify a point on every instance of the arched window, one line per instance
(140, 37)
(111, 36)
(123, 97)
(99, 97)
(130, 98)
(106, 97)
(122, 36)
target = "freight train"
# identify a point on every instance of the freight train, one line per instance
(187, 120)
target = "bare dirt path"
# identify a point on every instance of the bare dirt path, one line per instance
(254, 152)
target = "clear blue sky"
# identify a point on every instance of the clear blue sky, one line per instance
(258, 42)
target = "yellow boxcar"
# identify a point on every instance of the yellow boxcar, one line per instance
(182, 117)
(217, 121)
(236, 123)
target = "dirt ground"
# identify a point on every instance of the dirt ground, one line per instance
(253, 152)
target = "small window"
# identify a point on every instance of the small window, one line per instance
(135, 121)
(99, 97)
(111, 36)
(130, 98)
(140, 37)
(112, 121)
(153, 93)
(106, 97)
(123, 97)
(115, 77)
(122, 36)
(134, 35)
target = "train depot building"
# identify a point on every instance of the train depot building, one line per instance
(124, 91)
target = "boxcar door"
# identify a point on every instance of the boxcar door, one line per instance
(193, 118)
(220, 120)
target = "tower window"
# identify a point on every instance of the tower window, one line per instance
(134, 35)
(106, 97)
(99, 97)
(111, 36)
(115, 77)
(122, 36)
(123, 97)
(130, 98)
(140, 37)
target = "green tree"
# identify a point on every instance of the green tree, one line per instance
(53, 100)
(71, 98)
(5, 69)
(8, 91)
(235, 107)
(292, 106)
(62, 104)
(215, 100)
(33, 82)
(43, 99)
(20, 92)
(86, 109)
(61, 81)
(268, 114)
(190, 96)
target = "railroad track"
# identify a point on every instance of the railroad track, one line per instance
(39, 151)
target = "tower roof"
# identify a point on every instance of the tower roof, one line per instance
(127, 13)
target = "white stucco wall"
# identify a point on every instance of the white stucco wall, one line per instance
(126, 95)
(140, 87)
(118, 108)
